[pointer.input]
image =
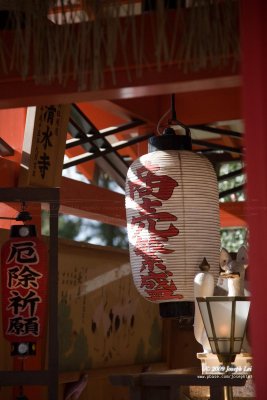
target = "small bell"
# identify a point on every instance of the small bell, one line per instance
(23, 215)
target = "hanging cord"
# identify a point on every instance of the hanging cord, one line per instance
(161, 119)
(173, 107)
(173, 120)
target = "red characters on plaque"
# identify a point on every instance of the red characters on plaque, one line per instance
(24, 288)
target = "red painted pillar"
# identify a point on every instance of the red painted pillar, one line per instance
(254, 70)
(12, 124)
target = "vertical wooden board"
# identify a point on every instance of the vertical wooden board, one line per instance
(92, 281)
(44, 145)
(183, 347)
(103, 320)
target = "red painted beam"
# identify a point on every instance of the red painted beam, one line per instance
(197, 107)
(233, 215)
(12, 123)
(88, 201)
(148, 78)
(18, 93)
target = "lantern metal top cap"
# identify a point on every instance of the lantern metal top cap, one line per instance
(171, 138)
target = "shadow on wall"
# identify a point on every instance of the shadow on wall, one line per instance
(103, 320)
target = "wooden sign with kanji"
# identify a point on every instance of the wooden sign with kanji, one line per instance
(44, 145)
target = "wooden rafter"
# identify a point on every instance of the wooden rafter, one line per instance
(5, 149)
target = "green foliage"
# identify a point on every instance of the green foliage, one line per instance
(107, 235)
(233, 238)
(74, 228)
(68, 227)
(225, 169)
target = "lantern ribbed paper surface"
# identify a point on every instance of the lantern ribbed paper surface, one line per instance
(173, 222)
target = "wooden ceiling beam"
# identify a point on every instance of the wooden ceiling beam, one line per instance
(199, 107)
(18, 93)
(88, 201)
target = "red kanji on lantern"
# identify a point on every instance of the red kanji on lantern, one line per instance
(24, 286)
(149, 191)
(172, 220)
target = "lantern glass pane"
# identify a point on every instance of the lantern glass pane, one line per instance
(205, 317)
(221, 313)
(224, 346)
(213, 348)
(237, 346)
(241, 315)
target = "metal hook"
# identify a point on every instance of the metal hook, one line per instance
(23, 206)
(174, 120)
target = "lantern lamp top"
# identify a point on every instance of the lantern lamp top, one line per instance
(225, 321)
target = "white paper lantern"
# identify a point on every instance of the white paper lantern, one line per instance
(172, 212)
